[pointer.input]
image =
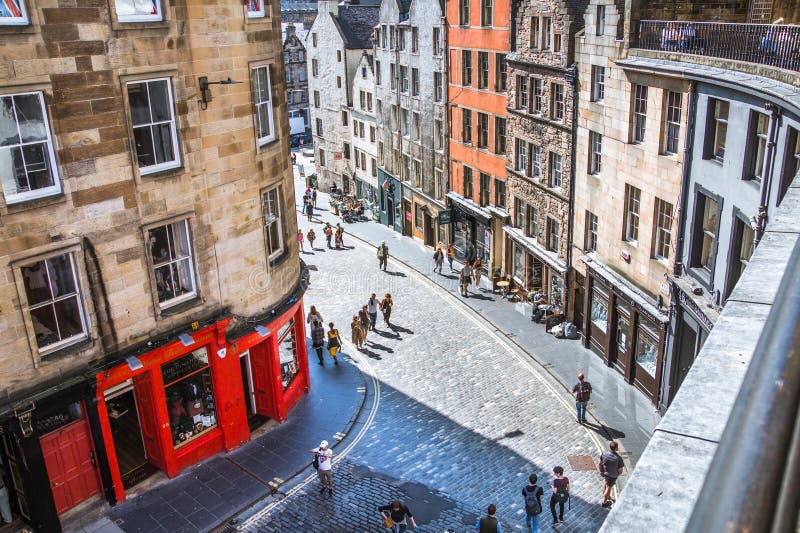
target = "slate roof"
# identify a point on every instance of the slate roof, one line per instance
(356, 24)
(302, 6)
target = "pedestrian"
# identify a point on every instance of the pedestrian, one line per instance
(328, 231)
(476, 272)
(489, 523)
(560, 494)
(311, 236)
(363, 317)
(339, 236)
(383, 256)
(465, 278)
(451, 254)
(582, 391)
(533, 504)
(394, 517)
(610, 466)
(309, 209)
(294, 158)
(314, 197)
(314, 315)
(300, 239)
(372, 309)
(323, 457)
(386, 308)
(334, 342)
(438, 259)
(355, 332)
(318, 339)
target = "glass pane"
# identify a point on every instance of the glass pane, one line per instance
(8, 124)
(622, 334)
(68, 315)
(710, 216)
(139, 103)
(37, 287)
(44, 325)
(556, 291)
(264, 127)
(144, 146)
(287, 349)
(184, 283)
(164, 283)
(180, 239)
(160, 247)
(159, 100)
(273, 237)
(59, 269)
(647, 354)
(190, 404)
(599, 315)
(30, 117)
(37, 165)
(12, 171)
(162, 138)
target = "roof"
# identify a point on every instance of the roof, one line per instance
(356, 24)
(302, 6)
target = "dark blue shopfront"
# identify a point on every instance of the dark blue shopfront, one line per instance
(393, 210)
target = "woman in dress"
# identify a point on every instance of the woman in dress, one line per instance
(355, 328)
(476, 272)
(386, 308)
(334, 342)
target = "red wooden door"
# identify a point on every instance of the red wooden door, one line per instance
(148, 419)
(71, 466)
(262, 381)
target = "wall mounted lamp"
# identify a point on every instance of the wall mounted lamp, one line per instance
(205, 90)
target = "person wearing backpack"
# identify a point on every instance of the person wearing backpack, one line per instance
(383, 255)
(560, 494)
(582, 391)
(489, 523)
(533, 504)
(610, 465)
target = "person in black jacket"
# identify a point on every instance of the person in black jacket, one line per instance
(398, 513)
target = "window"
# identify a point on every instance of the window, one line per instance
(742, 246)
(321, 156)
(552, 235)
(519, 271)
(338, 82)
(415, 39)
(316, 99)
(706, 218)
(590, 239)
(557, 110)
(380, 151)
(418, 216)
(466, 126)
(483, 69)
(189, 395)
(384, 33)
(759, 127)
(173, 268)
(405, 121)
(346, 150)
(500, 193)
(531, 226)
(406, 167)
(485, 189)
(536, 162)
(522, 156)
(439, 184)
(639, 113)
(556, 170)
(319, 127)
(154, 131)
(672, 122)
(536, 35)
(466, 67)
(791, 165)
(486, 12)
(598, 83)
(522, 92)
(538, 96)
(273, 225)
(417, 177)
(377, 72)
(663, 230)
(501, 72)
(547, 27)
(287, 353)
(136, 10)
(302, 73)
(27, 164)
(339, 56)
(393, 76)
(556, 42)
(463, 12)
(344, 122)
(438, 89)
(499, 135)
(595, 152)
(369, 101)
(391, 36)
(401, 39)
(374, 167)
(55, 304)
(483, 130)
(415, 82)
(716, 129)
(519, 213)
(467, 182)
(439, 129)
(314, 67)
(372, 134)
(437, 42)
(415, 130)
(362, 99)
(599, 311)
(600, 22)
(403, 78)
(314, 40)
(632, 199)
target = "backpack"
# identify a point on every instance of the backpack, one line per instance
(583, 392)
(561, 492)
(532, 504)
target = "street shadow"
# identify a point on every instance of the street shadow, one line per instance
(381, 347)
(387, 335)
(479, 296)
(447, 276)
(400, 329)
(605, 431)
(400, 274)
(372, 355)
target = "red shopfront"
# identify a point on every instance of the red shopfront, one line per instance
(190, 399)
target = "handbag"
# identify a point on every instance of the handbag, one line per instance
(388, 522)
(315, 462)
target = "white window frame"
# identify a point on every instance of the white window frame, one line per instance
(521, 159)
(167, 165)
(672, 122)
(21, 20)
(633, 200)
(558, 106)
(280, 249)
(268, 103)
(556, 169)
(591, 232)
(14, 198)
(154, 17)
(536, 161)
(595, 153)
(663, 230)
(598, 83)
(166, 304)
(258, 12)
(639, 123)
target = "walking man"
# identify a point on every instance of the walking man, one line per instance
(451, 254)
(324, 455)
(465, 278)
(610, 466)
(309, 209)
(328, 234)
(386, 307)
(314, 197)
(489, 523)
(318, 339)
(372, 309)
(311, 236)
(533, 504)
(438, 259)
(383, 256)
(582, 391)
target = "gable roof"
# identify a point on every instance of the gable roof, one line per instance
(356, 23)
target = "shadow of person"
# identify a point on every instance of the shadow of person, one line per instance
(605, 431)
(381, 347)
(480, 296)
(400, 329)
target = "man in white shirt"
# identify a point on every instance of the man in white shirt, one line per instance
(324, 456)
(372, 309)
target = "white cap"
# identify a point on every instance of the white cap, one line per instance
(323, 444)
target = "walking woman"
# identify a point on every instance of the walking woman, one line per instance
(311, 236)
(451, 254)
(355, 328)
(300, 239)
(363, 318)
(560, 494)
(438, 259)
(318, 339)
(314, 316)
(386, 308)
(339, 237)
(476, 273)
(334, 343)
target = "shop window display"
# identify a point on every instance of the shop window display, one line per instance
(287, 348)
(599, 314)
(190, 396)
(647, 353)
(556, 291)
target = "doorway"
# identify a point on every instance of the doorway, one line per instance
(123, 417)
(429, 230)
(390, 211)
(407, 218)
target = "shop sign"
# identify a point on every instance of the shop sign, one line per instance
(445, 217)
(692, 306)
(337, 156)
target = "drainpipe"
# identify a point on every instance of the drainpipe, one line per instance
(767, 170)
(677, 268)
(572, 78)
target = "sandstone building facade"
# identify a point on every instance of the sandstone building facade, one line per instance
(294, 57)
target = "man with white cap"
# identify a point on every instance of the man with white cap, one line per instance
(324, 455)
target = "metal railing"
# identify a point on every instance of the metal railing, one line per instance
(768, 44)
(753, 483)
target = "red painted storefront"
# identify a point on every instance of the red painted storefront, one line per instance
(190, 395)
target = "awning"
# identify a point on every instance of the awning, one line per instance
(533, 247)
(470, 208)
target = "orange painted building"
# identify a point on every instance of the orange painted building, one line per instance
(477, 44)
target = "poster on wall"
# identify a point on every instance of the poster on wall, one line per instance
(12, 12)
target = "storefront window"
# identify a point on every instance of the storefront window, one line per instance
(287, 348)
(556, 291)
(62, 417)
(190, 396)
(519, 264)
(647, 353)
(622, 333)
(599, 314)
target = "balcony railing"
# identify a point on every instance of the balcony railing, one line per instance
(767, 44)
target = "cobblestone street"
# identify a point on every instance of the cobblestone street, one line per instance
(463, 418)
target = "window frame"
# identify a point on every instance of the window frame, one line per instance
(466, 68)
(595, 153)
(22, 20)
(260, 12)
(553, 235)
(590, 233)
(633, 209)
(482, 142)
(467, 182)
(167, 304)
(714, 125)
(466, 126)
(704, 275)
(500, 193)
(558, 106)
(500, 72)
(487, 13)
(672, 122)
(556, 169)
(600, 21)
(735, 256)
(158, 167)
(270, 108)
(756, 148)
(281, 250)
(663, 216)
(500, 138)
(598, 83)
(154, 17)
(484, 189)
(521, 156)
(639, 95)
(463, 12)
(483, 70)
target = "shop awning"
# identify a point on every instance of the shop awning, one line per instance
(470, 207)
(530, 244)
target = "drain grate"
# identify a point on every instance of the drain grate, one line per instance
(581, 462)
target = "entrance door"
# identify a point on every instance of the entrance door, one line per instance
(123, 417)
(71, 465)
(407, 218)
(622, 345)
(390, 212)
(429, 230)
(262, 381)
(143, 390)
(247, 384)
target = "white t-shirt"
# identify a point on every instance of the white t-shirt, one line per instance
(372, 306)
(324, 458)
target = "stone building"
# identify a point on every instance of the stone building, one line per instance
(364, 158)
(542, 99)
(335, 44)
(294, 58)
(410, 79)
(478, 40)
(302, 11)
(150, 287)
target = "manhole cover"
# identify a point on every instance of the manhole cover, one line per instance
(581, 462)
